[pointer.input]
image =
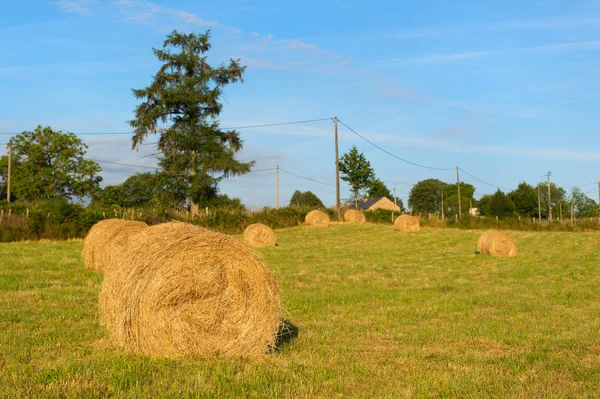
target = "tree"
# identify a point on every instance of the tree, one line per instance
(525, 200)
(305, 199)
(425, 196)
(583, 205)
(484, 205)
(138, 190)
(181, 105)
(500, 205)
(557, 194)
(357, 171)
(379, 189)
(49, 164)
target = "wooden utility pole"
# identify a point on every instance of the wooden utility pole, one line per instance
(10, 171)
(572, 215)
(442, 204)
(560, 217)
(599, 202)
(337, 170)
(458, 188)
(396, 201)
(277, 187)
(539, 204)
(549, 199)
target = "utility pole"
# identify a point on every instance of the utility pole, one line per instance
(337, 170)
(10, 171)
(277, 187)
(549, 199)
(599, 202)
(396, 202)
(458, 188)
(539, 204)
(442, 204)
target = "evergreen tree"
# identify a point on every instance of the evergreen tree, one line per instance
(181, 105)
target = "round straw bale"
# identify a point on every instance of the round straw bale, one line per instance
(180, 289)
(259, 235)
(496, 243)
(102, 239)
(354, 216)
(317, 219)
(407, 224)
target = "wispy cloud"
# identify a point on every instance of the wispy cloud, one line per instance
(429, 59)
(551, 23)
(81, 7)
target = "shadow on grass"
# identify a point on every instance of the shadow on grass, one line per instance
(287, 333)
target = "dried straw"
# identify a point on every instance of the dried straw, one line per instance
(407, 224)
(496, 243)
(259, 235)
(180, 289)
(354, 216)
(104, 238)
(317, 219)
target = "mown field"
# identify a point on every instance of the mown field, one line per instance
(379, 314)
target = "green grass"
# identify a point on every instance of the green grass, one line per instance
(379, 313)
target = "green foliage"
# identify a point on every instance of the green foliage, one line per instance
(357, 171)
(500, 205)
(379, 189)
(583, 205)
(184, 96)
(305, 200)
(50, 164)
(525, 200)
(426, 197)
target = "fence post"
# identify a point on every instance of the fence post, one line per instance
(9, 213)
(27, 214)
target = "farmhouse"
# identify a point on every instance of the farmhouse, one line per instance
(376, 203)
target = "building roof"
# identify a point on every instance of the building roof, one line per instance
(366, 205)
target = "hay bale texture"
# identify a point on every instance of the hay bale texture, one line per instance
(407, 224)
(104, 238)
(354, 216)
(317, 219)
(496, 243)
(259, 235)
(181, 290)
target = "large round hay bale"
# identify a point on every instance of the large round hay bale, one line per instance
(317, 219)
(104, 238)
(181, 290)
(259, 235)
(407, 224)
(496, 243)
(354, 216)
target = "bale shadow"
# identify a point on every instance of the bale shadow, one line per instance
(287, 333)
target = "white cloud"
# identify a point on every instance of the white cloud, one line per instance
(81, 7)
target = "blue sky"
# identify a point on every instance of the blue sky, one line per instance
(506, 90)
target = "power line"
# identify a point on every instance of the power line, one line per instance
(389, 153)
(224, 128)
(122, 164)
(277, 124)
(482, 181)
(306, 178)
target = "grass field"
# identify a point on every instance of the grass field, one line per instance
(379, 314)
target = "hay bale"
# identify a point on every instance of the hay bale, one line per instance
(407, 224)
(259, 235)
(317, 219)
(354, 216)
(181, 290)
(496, 243)
(104, 237)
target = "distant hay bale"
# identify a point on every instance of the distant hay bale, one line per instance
(259, 235)
(496, 243)
(354, 216)
(317, 219)
(407, 224)
(183, 290)
(104, 237)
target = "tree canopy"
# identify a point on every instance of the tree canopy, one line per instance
(181, 106)
(357, 171)
(379, 189)
(48, 164)
(305, 199)
(426, 197)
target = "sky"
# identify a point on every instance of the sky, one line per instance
(508, 91)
